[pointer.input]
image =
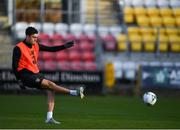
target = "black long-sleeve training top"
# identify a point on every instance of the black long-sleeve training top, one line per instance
(17, 53)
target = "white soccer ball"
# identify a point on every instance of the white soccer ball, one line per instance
(149, 98)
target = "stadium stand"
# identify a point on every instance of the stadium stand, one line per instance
(44, 38)
(109, 43)
(74, 56)
(137, 3)
(76, 29)
(153, 11)
(64, 65)
(163, 43)
(69, 37)
(128, 3)
(61, 28)
(174, 3)
(115, 31)
(150, 27)
(90, 66)
(19, 29)
(56, 38)
(128, 15)
(166, 12)
(50, 65)
(149, 43)
(163, 3)
(143, 21)
(140, 11)
(122, 44)
(135, 42)
(103, 31)
(149, 3)
(37, 25)
(48, 28)
(84, 38)
(61, 56)
(86, 46)
(89, 29)
(47, 56)
(77, 66)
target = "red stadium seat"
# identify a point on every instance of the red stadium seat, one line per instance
(86, 46)
(61, 28)
(92, 38)
(48, 28)
(76, 29)
(57, 43)
(69, 37)
(109, 38)
(50, 65)
(83, 37)
(76, 66)
(46, 43)
(40, 57)
(74, 56)
(57, 37)
(88, 56)
(64, 66)
(61, 56)
(90, 66)
(43, 37)
(47, 56)
(110, 46)
(41, 65)
(109, 43)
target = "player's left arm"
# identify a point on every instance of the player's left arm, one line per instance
(56, 48)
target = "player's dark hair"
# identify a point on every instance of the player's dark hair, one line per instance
(31, 31)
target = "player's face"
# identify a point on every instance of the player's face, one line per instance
(32, 38)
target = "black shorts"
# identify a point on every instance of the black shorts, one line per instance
(30, 79)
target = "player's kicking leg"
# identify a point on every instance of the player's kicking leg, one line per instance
(50, 85)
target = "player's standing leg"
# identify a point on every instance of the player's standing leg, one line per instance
(51, 101)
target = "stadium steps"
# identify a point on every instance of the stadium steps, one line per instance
(105, 12)
(5, 50)
(4, 22)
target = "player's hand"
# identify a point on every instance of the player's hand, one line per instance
(69, 44)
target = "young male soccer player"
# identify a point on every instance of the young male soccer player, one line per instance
(25, 68)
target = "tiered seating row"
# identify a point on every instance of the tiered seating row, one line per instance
(141, 39)
(152, 3)
(61, 28)
(152, 16)
(152, 26)
(150, 40)
(80, 57)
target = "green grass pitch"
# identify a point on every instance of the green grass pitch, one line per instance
(29, 111)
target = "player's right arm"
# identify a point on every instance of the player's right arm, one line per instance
(56, 48)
